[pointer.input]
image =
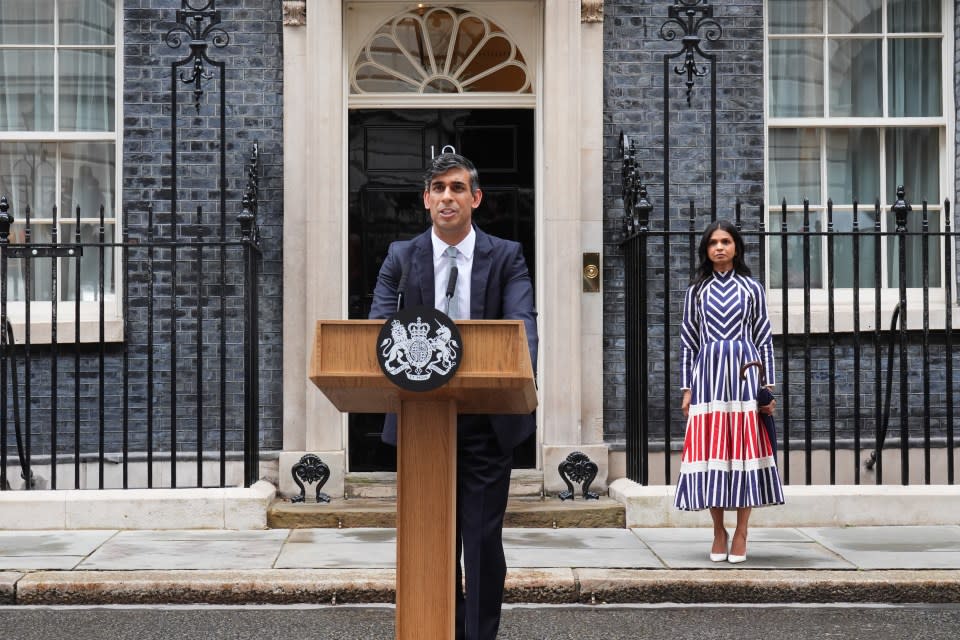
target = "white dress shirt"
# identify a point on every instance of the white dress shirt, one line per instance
(441, 272)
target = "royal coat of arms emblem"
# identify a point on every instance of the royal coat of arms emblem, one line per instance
(419, 348)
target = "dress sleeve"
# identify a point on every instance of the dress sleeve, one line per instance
(689, 337)
(762, 334)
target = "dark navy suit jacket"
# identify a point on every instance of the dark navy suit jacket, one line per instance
(500, 288)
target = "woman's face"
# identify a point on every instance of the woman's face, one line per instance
(720, 250)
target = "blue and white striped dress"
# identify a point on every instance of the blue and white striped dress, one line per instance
(727, 457)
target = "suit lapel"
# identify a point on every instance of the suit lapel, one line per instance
(479, 277)
(422, 261)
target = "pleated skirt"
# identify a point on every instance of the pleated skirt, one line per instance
(727, 459)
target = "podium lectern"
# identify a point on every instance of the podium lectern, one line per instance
(495, 376)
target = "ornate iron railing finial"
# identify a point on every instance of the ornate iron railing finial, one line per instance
(636, 206)
(900, 209)
(251, 198)
(6, 219)
(197, 33)
(690, 16)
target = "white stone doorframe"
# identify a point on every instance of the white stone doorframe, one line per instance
(569, 170)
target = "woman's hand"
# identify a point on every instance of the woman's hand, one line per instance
(767, 409)
(685, 403)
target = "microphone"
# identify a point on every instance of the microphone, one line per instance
(451, 287)
(402, 285)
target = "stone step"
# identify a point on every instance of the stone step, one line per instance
(530, 512)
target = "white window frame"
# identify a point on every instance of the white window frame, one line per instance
(843, 308)
(41, 327)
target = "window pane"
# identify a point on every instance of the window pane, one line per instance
(914, 77)
(87, 21)
(790, 16)
(796, 78)
(843, 258)
(89, 264)
(87, 89)
(796, 257)
(26, 97)
(87, 175)
(914, 16)
(855, 82)
(853, 165)
(28, 176)
(855, 16)
(39, 269)
(913, 160)
(914, 250)
(26, 22)
(794, 166)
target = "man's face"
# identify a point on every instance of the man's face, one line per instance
(451, 204)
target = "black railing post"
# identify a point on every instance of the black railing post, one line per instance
(900, 210)
(807, 392)
(250, 235)
(879, 434)
(948, 331)
(925, 344)
(856, 343)
(6, 219)
(785, 336)
(832, 345)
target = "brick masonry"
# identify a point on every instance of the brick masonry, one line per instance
(253, 63)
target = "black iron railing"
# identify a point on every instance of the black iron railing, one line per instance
(174, 388)
(835, 385)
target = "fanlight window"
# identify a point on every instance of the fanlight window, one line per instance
(440, 50)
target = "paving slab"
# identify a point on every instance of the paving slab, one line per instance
(576, 548)
(29, 550)
(897, 547)
(370, 548)
(211, 550)
(772, 548)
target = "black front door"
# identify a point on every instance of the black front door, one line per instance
(389, 151)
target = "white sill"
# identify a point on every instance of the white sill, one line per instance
(41, 327)
(843, 311)
(40, 332)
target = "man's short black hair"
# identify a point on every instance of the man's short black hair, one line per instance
(446, 161)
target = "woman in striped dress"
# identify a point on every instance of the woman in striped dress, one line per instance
(728, 461)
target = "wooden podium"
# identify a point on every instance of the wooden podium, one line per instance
(495, 376)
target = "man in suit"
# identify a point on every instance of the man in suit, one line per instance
(493, 283)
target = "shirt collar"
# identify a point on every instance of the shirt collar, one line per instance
(465, 247)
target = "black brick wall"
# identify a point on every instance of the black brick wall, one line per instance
(254, 64)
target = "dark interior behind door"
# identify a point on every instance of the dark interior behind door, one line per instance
(389, 151)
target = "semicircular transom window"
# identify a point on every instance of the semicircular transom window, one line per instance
(440, 50)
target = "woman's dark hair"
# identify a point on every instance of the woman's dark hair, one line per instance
(446, 161)
(705, 268)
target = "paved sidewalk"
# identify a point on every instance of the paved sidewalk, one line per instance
(853, 564)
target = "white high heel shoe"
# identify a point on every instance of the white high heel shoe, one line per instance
(733, 559)
(719, 557)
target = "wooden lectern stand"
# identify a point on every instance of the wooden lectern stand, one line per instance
(495, 376)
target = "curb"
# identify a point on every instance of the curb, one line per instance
(523, 586)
